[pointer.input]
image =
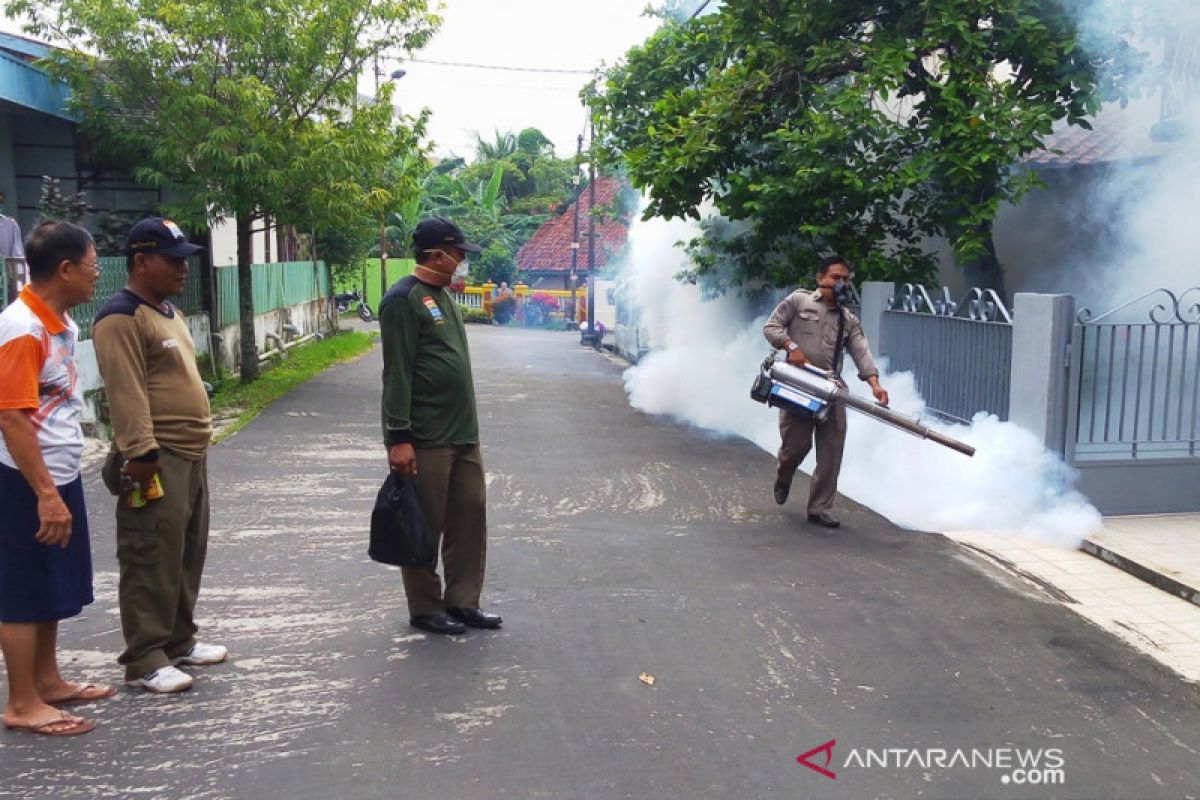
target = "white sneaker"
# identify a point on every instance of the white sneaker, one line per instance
(163, 681)
(202, 655)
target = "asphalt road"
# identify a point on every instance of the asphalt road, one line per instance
(621, 545)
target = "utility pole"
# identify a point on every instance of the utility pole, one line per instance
(575, 233)
(383, 256)
(591, 300)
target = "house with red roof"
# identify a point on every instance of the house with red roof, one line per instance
(549, 261)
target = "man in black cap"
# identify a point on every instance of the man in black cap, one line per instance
(431, 429)
(162, 428)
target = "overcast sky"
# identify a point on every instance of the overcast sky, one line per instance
(545, 34)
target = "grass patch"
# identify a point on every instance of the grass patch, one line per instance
(238, 403)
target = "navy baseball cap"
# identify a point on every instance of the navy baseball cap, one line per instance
(158, 235)
(436, 232)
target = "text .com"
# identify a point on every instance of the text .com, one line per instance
(1017, 766)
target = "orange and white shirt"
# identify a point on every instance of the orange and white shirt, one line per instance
(38, 376)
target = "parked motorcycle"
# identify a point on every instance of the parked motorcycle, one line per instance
(344, 302)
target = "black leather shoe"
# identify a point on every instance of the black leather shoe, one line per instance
(437, 623)
(476, 618)
(781, 493)
(824, 520)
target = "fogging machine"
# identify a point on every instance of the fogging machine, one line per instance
(809, 391)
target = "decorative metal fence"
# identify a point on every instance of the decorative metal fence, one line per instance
(12, 273)
(470, 297)
(1135, 388)
(960, 352)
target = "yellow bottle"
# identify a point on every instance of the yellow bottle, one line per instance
(153, 492)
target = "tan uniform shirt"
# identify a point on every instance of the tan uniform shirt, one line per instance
(812, 324)
(156, 397)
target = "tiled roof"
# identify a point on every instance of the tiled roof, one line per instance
(549, 249)
(1116, 135)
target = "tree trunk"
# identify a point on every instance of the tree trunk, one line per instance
(985, 272)
(245, 257)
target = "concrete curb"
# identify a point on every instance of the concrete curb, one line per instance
(1142, 572)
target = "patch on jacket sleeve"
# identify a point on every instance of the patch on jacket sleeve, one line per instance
(434, 311)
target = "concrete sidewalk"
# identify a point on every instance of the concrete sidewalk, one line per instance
(1138, 578)
(1163, 550)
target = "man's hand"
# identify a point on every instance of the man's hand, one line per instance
(402, 459)
(881, 395)
(55, 520)
(141, 472)
(796, 357)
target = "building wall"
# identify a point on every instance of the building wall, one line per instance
(305, 317)
(41, 145)
(8, 178)
(224, 243)
(1053, 240)
(33, 145)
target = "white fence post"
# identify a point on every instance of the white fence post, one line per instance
(1040, 387)
(875, 298)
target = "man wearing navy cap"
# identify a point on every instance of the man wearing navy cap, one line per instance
(162, 428)
(431, 429)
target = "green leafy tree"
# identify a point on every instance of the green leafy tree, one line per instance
(497, 263)
(344, 248)
(859, 127)
(246, 109)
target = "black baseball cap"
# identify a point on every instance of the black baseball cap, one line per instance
(158, 235)
(436, 232)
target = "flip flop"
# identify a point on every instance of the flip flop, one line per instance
(77, 725)
(84, 693)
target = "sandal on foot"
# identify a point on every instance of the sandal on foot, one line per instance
(84, 693)
(74, 726)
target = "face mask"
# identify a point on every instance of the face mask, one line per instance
(461, 271)
(841, 293)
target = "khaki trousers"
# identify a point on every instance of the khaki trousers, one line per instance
(797, 434)
(450, 483)
(160, 550)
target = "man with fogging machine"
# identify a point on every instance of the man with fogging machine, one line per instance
(814, 328)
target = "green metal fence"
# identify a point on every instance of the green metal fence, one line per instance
(276, 285)
(397, 269)
(112, 279)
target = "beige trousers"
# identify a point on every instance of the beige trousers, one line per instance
(450, 483)
(797, 434)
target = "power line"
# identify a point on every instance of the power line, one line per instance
(497, 67)
(703, 6)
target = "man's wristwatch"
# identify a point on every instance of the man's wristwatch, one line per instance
(792, 346)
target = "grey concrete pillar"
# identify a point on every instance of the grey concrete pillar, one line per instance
(875, 298)
(1039, 390)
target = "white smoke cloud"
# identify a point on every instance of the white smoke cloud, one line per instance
(1145, 206)
(706, 355)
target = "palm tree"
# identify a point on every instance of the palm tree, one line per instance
(504, 146)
